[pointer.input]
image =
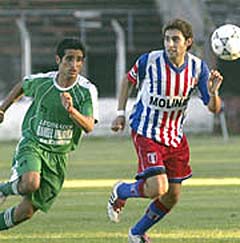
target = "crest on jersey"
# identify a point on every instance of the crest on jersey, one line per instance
(152, 157)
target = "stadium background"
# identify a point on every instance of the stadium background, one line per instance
(38, 25)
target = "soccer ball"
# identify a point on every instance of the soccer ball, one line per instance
(225, 42)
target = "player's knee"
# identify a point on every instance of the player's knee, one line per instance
(32, 186)
(29, 183)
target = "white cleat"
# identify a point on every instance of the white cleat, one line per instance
(115, 204)
(137, 238)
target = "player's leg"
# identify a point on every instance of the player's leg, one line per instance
(155, 212)
(25, 180)
(152, 183)
(26, 169)
(176, 161)
(8, 188)
(52, 178)
(15, 215)
(151, 180)
(170, 199)
(143, 188)
(27, 183)
(156, 186)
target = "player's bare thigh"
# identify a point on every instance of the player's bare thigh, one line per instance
(156, 186)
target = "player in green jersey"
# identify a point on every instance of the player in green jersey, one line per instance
(64, 104)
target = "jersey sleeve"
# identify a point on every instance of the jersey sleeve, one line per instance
(29, 85)
(137, 73)
(132, 74)
(90, 105)
(203, 83)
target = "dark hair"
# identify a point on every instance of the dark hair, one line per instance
(69, 43)
(181, 25)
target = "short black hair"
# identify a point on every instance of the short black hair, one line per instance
(69, 43)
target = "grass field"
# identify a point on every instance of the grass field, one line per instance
(208, 212)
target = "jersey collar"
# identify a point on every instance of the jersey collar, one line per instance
(176, 69)
(61, 88)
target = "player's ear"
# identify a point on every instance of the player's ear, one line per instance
(189, 42)
(58, 59)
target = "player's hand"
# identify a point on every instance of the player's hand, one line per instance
(214, 82)
(67, 101)
(118, 123)
(1, 116)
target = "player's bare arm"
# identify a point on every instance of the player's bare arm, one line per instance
(119, 122)
(86, 122)
(12, 97)
(214, 82)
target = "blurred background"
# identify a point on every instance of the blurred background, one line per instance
(115, 33)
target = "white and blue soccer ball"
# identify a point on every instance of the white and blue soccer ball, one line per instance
(225, 42)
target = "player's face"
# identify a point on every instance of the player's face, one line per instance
(175, 44)
(71, 63)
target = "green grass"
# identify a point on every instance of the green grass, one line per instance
(205, 214)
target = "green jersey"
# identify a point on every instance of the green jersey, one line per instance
(46, 121)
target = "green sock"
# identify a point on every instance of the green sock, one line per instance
(9, 188)
(7, 218)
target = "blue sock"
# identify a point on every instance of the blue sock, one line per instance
(127, 190)
(155, 212)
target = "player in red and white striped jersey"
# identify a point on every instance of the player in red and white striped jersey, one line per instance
(164, 94)
(166, 79)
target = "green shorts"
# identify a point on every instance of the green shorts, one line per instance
(51, 166)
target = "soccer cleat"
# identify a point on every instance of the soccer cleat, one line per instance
(138, 238)
(115, 204)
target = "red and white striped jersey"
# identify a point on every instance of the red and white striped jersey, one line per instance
(163, 94)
